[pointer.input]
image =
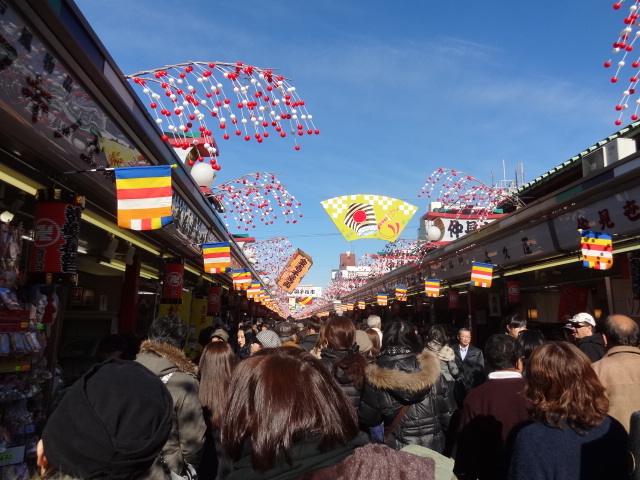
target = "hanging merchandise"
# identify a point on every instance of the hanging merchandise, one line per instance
(54, 254)
(173, 278)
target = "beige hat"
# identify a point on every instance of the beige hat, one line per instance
(363, 341)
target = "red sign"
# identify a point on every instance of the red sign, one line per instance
(454, 298)
(173, 278)
(213, 300)
(54, 255)
(513, 290)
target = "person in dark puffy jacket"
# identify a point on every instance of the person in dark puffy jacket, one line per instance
(342, 358)
(405, 375)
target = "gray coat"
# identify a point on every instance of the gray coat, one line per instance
(187, 434)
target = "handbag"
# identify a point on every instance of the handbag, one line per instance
(189, 471)
(395, 423)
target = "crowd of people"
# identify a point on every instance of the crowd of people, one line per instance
(333, 399)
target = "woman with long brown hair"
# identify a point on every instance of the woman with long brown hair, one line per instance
(572, 436)
(216, 366)
(286, 418)
(342, 358)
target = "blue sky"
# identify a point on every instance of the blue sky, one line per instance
(397, 90)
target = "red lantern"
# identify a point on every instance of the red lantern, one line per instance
(213, 300)
(513, 290)
(173, 278)
(454, 298)
(54, 255)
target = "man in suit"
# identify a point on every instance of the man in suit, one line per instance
(470, 363)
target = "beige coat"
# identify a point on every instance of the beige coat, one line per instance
(619, 372)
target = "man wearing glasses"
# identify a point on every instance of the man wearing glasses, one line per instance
(588, 341)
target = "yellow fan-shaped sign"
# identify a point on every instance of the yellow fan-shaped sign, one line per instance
(369, 216)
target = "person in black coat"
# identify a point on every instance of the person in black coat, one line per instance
(342, 358)
(470, 362)
(403, 374)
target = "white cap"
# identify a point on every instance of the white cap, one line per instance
(583, 317)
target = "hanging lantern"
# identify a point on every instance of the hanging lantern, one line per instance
(513, 289)
(213, 300)
(454, 298)
(173, 278)
(54, 255)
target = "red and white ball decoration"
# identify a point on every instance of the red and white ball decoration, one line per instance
(258, 195)
(192, 101)
(623, 47)
(459, 192)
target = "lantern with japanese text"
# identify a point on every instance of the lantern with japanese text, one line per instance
(173, 278)
(213, 300)
(54, 255)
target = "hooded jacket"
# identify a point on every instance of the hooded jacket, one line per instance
(400, 378)
(187, 432)
(592, 346)
(447, 358)
(330, 358)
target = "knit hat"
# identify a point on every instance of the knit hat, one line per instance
(268, 339)
(221, 334)
(583, 317)
(112, 423)
(285, 329)
(363, 341)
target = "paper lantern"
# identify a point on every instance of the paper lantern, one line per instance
(203, 174)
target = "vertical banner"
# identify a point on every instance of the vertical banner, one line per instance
(213, 300)
(572, 300)
(513, 290)
(173, 276)
(54, 255)
(454, 298)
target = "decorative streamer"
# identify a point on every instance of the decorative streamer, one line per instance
(216, 257)
(144, 197)
(481, 274)
(432, 288)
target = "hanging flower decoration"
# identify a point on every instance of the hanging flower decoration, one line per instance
(461, 193)
(624, 46)
(269, 257)
(254, 195)
(192, 100)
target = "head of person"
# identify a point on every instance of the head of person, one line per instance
(621, 331)
(503, 352)
(563, 388)
(464, 337)
(204, 336)
(321, 342)
(401, 334)
(112, 346)
(374, 321)
(246, 336)
(220, 335)
(280, 396)
(112, 423)
(529, 340)
(582, 325)
(314, 324)
(339, 332)
(364, 342)
(287, 331)
(437, 334)
(169, 330)
(216, 365)
(265, 339)
(514, 324)
(375, 341)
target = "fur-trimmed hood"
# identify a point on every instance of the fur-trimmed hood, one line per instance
(170, 355)
(417, 381)
(444, 352)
